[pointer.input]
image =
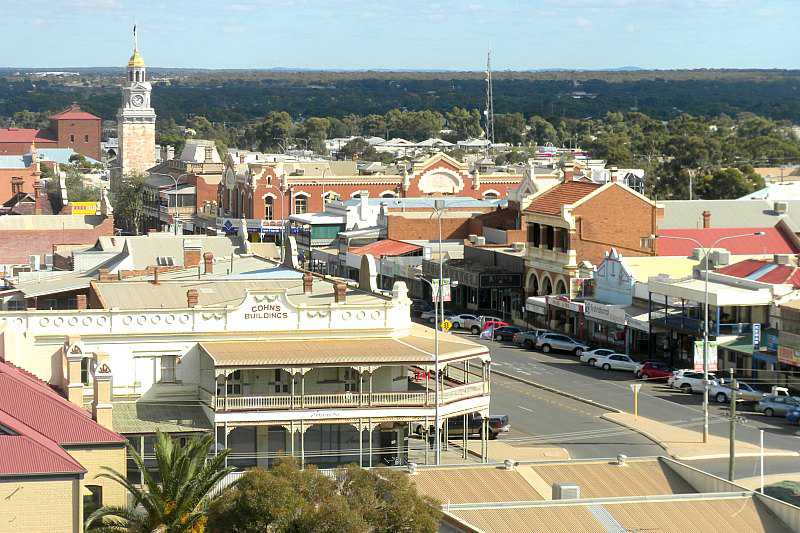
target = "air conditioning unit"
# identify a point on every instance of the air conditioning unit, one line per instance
(566, 491)
(782, 259)
(518, 246)
(472, 238)
(721, 258)
(781, 207)
(480, 241)
(35, 262)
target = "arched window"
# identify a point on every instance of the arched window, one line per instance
(491, 195)
(268, 208)
(300, 203)
(330, 196)
(72, 137)
(561, 287)
(388, 194)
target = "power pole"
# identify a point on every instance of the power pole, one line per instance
(732, 458)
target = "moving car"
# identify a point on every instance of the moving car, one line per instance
(527, 339)
(590, 356)
(655, 371)
(506, 333)
(556, 341)
(722, 392)
(777, 405)
(689, 380)
(616, 361)
(497, 424)
(461, 321)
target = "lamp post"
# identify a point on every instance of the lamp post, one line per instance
(706, 252)
(176, 180)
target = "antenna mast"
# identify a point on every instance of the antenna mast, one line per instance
(489, 111)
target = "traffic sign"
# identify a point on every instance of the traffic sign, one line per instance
(446, 325)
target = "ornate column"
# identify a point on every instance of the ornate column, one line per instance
(101, 404)
(74, 385)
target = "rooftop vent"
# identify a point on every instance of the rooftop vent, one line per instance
(566, 491)
(509, 464)
(621, 458)
(412, 468)
(781, 207)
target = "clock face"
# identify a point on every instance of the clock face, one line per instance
(137, 100)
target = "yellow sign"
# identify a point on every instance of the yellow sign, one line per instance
(446, 325)
(85, 208)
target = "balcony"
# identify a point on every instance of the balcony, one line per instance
(345, 400)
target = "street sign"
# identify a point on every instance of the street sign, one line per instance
(446, 325)
(756, 336)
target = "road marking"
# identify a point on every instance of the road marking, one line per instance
(522, 372)
(525, 408)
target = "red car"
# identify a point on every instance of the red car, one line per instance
(653, 370)
(495, 324)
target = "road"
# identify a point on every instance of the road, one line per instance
(539, 417)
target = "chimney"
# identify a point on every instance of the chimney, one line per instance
(191, 254)
(101, 404)
(339, 292)
(74, 385)
(80, 300)
(192, 298)
(706, 219)
(155, 275)
(208, 263)
(308, 283)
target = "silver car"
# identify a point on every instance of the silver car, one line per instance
(556, 341)
(777, 405)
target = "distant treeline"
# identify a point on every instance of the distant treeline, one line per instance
(239, 97)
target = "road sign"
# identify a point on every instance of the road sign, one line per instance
(635, 387)
(446, 325)
(756, 336)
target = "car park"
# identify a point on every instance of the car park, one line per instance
(527, 339)
(590, 356)
(772, 405)
(655, 371)
(506, 333)
(557, 341)
(721, 392)
(689, 380)
(616, 361)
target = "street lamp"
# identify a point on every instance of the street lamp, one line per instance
(176, 180)
(706, 252)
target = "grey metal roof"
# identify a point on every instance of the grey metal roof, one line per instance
(143, 417)
(726, 213)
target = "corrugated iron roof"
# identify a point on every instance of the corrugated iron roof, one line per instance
(566, 193)
(772, 242)
(764, 271)
(474, 485)
(387, 248)
(20, 454)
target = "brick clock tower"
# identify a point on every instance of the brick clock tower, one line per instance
(136, 120)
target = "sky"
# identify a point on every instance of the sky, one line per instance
(409, 34)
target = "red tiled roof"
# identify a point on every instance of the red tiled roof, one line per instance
(74, 112)
(764, 271)
(566, 193)
(386, 248)
(46, 412)
(27, 136)
(772, 242)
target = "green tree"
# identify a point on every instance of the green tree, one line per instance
(465, 124)
(510, 128)
(286, 499)
(177, 502)
(77, 189)
(541, 131)
(414, 125)
(614, 148)
(315, 129)
(127, 198)
(374, 126)
(727, 184)
(271, 132)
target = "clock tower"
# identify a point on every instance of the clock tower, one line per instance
(136, 120)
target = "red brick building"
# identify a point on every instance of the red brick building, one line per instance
(572, 225)
(17, 175)
(71, 128)
(273, 191)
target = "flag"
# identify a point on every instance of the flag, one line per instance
(488, 333)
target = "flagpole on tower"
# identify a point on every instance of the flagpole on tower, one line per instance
(135, 38)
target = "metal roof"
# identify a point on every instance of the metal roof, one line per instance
(471, 485)
(145, 417)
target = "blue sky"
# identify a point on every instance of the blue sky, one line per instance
(446, 34)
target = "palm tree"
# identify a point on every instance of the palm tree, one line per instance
(178, 503)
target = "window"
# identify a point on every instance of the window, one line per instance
(350, 380)
(86, 368)
(646, 243)
(490, 195)
(93, 500)
(535, 234)
(72, 137)
(86, 138)
(300, 204)
(168, 363)
(268, 211)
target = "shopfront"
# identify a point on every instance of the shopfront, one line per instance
(565, 316)
(605, 325)
(536, 312)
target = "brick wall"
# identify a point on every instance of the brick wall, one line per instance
(402, 228)
(83, 136)
(40, 506)
(7, 175)
(614, 218)
(17, 245)
(93, 460)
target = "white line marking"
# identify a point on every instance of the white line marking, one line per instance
(525, 408)
(523, 372)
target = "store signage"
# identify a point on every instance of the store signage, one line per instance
(85, 208)
(789, 355)
(266, 311)
(500, 281)
(756, 336)
(263, 312)
(712, 356)
(534, 305)
(605, 312)
(564, 303)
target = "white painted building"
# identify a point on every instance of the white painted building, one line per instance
(279, 362)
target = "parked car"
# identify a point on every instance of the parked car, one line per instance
(477, 325)
(638, 370)
(506, 333)
(590, 356)
(497, 424)
(557, 341)
(429, 316)
(655, 371)
(527, 339)
(496, 324)
(777, 405)
(722, 392)
(461, 321)
(420, 306)
(689, 380)
(793, 416)
(616, 361)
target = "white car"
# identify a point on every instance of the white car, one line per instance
(429, 316)
(591, 356)
(616, 361)
(722, 392)
(690, 380)
(476, 326)
(461, 321)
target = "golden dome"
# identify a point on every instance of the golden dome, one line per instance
(136, 60)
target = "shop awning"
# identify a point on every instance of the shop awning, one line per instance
(536, 304)
(743, 345)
